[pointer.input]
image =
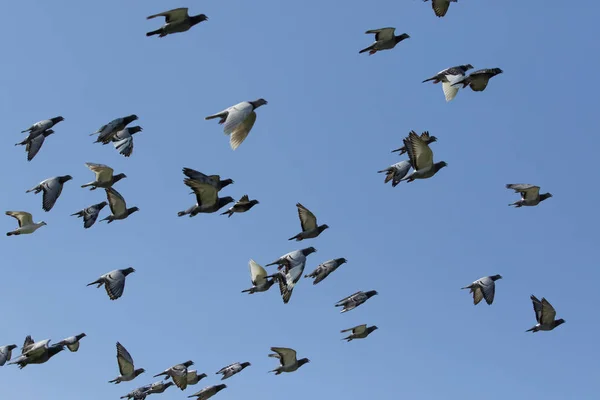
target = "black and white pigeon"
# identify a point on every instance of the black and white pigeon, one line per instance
(296, 256)
(530, 194)
(385, 39)
(43, 125)
(207, 199)
(287, 360)
(104, 176)
(308, 222)
(118, 206)
(291, 271)
(208, 392)
(484, 288)
(260, 281)
(396, 172)
(193, 377)
(34, 142)
(126, 366)
(123, 140)
(478, 80)
(449, 77)
(424, 136)
(114, 282)
(6, 353)
(359, 332)
(107, 132)
(440, 7)
(323, 270)
(544, 315)
(241, 206)
(176, 20)
(238, 120)
(354, 300)
(159, 387)
(232, 369)
(421, 158)
(178, 373)
(90, 214)
(52, 188)
(72, 342)
(26, 224)
(214, 180)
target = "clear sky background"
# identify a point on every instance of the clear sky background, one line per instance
(332, 119)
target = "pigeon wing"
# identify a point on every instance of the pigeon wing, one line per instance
(528, 192)
(548, 312)
(177, 14)
(116, 201)
(52, 190)
(488, 291)
(33, 146)
(24, 218)
(440, 7)
(103, 172)
(308, 220)
(73, 347)
(342, 301)
(537, 308)
(206, 194)
(125, 360)
(241, 131)
(124, 146)
(419, 152)
(237, 115)
(90, 215)
(115, 286)
(382, 34)
(286, 355)
(257, 273)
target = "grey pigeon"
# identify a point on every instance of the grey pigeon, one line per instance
(308, 222)
(90, 214)
(385, 39)
(43, 125)
(323, 270)
(123, 140)
(107, 132)
(104, 176)
(178, 373)
(544, 315)
(36, 352)
(260, 281)
(484, 288)
(176, 20)
(530, 194)
(214, 180)
(421, 158)
(207, 199)
(6, 353)
(396, 172)
(448, 77)
(118, 206)
(138, 394)
(52, 188)
(291, 271)
(296, 256)
(241, 206)
(424, 136)
(34, 142)
(354, 300)
(114, 282)
(72, 342)
(478, 80)
(26, 224)
(440, 7)
(287, 360)
(238, 120)
(159, 387)
(193, 377)
(126, 366)
(208, 392)
(232, 369)
(359, 332)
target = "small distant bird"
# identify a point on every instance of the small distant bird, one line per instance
(104, 176)
(323, 270)
(123, 140)
(530, 194)
(544, 315)
(72, 342)
(238, 120)
(308, 222)
(385, 39)
(34, 142)
(26, 224)
(296, 256)
(6, 353)
(52, 188)
(259, 278)
(396, 172)
(232, 369)
(90, 214)
(478, 80)
(114, 282)
(176, 20)
(440, 7)
(178, 373)
(287, 360)
(448, 77)
(241, 206)
(207, 199)
(43, 125)
(354, 300)
(208, 392)
(421, 158)
(107, 132)
(158, 387)
(484, 288)
(118, 206)
(359, 332)
(126, 366)
(193, 377)
(424, 136)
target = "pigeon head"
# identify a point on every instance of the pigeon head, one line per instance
(118, 177)
(188, 363)
(43, 223)
(102, 205)
(466, 67)
(496, 71)
(48, 132)
(11, 347)
(371, 293)
(400, 38)
(132, 210)
(80, 336)
(545, 196)
(128, 271)
(308, 250)
(259, 102)
(559, 322)
(303, 361)
(374, 327)
(225, 200)
(254, 202)
(202, 375)
(129, 119)
(56, 120)
(323, 227)
(245, 364)
(225, 182)
(65, 178)
(496, 277)
(341, 260)
(139, 371)
(135, 129)
(196, 19)
(440, 165)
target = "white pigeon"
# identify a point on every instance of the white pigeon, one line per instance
(26, 224)
(238, 120)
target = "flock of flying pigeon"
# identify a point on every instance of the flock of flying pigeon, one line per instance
(237, 122)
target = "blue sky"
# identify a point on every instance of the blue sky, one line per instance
(332, 119)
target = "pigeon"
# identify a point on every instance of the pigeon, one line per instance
(296, 256)
(484, 288)
(421, 158)
(118, 207)
(478, 80)
(396, 172)
(238, 120)
(104, 176)
(52, 188)
(308, 222)
(90, 214)
(158, 387)
(114, 282)
(544, 315)
(39, 356)
(208, 392)
(26, 224)
(424, 136)
(178, 373)
(289, 276)
(259, 279)
(359, 332)
(530, 194)
(193, 377)
(354, 300)
(123, 140)
(138, 394)
(6, 353)
(34, 142)
(287, 360)
(214, 180)
(385, 39)
(323, 270)
(107, 132)
(241, 206)
(43, 125)
(207, 199)
(440, 7)
(126, 366)
(72, 342)
(448, 77)
(176, 20)
(232, 369)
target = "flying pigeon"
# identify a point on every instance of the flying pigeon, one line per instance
(440, 7)
(323, 270)
(90, 214)
(308, 222)
(34, 142)
(52, 188)
(359, 332)
(158, 387)
(544, 315)
(530, 194)
(296, 256)
(424, 136)
(478, 80)
(178, 373)
(238, 120)
(107, 132)
(114, 282)
(26, 224)
(138, 394)
(123, 140)
(385, 39)
(36, 352)
(232, 369)
(241, 206)
(6, 353)
(72, 342)
(396, 172)
(260, 281)
(214, 180)
(193, 377)
(449, 77)
(291, 272)
(176, 20)
(43, 125)
(104, 176)
(126, 367)
(354, 300)
(484, 288)
(208, 392)
(207, 199)
(287, 360)
(118, 207)
(421, 158)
